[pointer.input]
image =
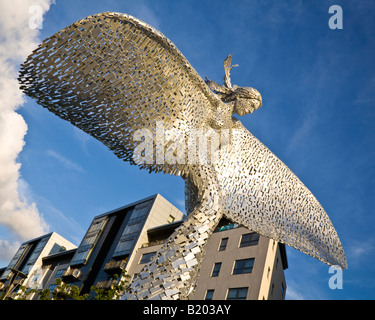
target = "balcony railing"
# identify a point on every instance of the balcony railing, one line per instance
(115, 266)
(107, 284)
(72, 274)
(153, 243)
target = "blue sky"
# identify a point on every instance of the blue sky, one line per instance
(318, 113)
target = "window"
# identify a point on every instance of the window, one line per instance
(97, 224)
(223, 244)
(124, 247)
(226, 227)
(147, 257)
(59, 273)
(237, 294)
(35, 254)
(209, 294)
(243, 266)
(89, 241)
(249, 239)
(15, 261)
(170, 219)
(216, 269)
(282, 289)
(52, 287)
(132, 229)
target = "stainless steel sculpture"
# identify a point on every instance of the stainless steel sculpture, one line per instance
(124, 83)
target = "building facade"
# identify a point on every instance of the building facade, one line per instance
(110, 243)
(238, 264)
(26, 267)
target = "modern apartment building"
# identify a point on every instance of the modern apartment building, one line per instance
(110, 243)
(26, 267)
(241, 265)
(238, 264)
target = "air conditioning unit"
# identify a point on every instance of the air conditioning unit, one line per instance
(76, 273)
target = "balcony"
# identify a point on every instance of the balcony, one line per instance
(107, 284)
(153, 243)
(226, 227)
(71, 275)
(115, 266)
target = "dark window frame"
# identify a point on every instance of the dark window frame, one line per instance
(237, 293)
(216, 269)
(223, 244)
(146, 257)
(209, 294)
(249, 239)
(243, 266)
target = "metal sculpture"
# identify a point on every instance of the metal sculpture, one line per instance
(127, 85)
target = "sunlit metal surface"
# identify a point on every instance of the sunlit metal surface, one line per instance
(127, 85)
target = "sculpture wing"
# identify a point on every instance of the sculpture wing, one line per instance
(262, 193)
(110, 75)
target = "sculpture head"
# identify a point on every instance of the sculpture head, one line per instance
(246, 100)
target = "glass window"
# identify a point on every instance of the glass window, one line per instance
(35, 254)
(52, 287)
(209, 294)
(97, 224)
(132, 229)
(80, 257)
(216, 269)
(135, 221)
(223, 244)
(226, 227)
(147, 257)
(249, 239)
(170, 219)
(16, 259)
(125, 245)
(19, 253)
(237, 293)
(89, 241)
(141, 210)
(59, 273)
(243, 266)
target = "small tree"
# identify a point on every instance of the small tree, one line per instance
(66, 291)
(115, 291)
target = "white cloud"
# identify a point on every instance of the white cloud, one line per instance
(145, 14)
(69, 164)
(359, 251)
(7, 250)
(17, 40)
(293, 293)
(308, 121)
